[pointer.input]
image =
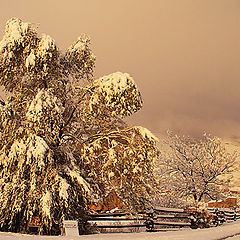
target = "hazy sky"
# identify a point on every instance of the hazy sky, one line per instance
(183, 54)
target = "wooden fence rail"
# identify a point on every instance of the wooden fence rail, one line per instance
(160, 219)
(226, 215)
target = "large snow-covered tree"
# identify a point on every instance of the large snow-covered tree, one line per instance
(63, 143)
(195, 169)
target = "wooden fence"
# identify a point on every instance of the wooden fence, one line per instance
(225, 214)
(160, 219)
(112, 222)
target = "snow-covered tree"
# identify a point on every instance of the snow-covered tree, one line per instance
(196, 169)
(63, 143)
(122, 160)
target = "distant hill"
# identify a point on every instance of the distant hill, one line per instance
(232, 145)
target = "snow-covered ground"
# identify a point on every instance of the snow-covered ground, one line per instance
(234, 238)
(228, 231)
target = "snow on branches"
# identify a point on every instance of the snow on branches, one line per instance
(8, 125)
(15, 47)
(15, 34)
(36, 186)
(28, 60)
(63, 142)
(116, 93)
(44, 114)
(5, 116)
(122, 160)
(79, 60)
(146, 133)
(45, 46)
(195, 167)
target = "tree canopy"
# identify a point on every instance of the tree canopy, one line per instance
(63, 141)
(196, 168)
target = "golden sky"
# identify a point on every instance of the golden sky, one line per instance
(183, 54)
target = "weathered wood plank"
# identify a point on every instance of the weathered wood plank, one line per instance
(172, 223)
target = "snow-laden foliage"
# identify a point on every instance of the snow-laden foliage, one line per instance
(103, 103)
(63, 143)
(36, 186)
(28, 60)
(79, 60)
(122, 160)
(46, 67)
(194, 168)
(9, 125)
(15, 35)
(117, 94)
(146, 133)
(44, 114)
(15, 47)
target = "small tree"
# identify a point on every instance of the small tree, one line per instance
(63, 143)
(196, 168)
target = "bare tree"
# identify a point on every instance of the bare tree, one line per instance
(196, 168)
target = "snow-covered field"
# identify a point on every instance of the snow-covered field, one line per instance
(234, 238)
(228, 231)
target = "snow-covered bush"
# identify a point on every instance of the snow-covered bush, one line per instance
(63, 143)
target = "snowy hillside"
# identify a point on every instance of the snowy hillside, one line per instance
(233, 144)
